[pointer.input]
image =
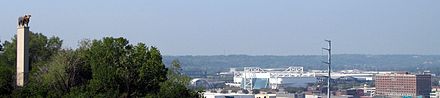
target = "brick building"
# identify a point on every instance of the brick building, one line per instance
(403, 84)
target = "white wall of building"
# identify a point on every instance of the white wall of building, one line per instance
(221, 95)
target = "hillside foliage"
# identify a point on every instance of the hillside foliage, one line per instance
(107, 67)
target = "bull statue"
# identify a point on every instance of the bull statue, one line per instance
(24, 20)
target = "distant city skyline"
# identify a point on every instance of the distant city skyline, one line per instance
(251, 27)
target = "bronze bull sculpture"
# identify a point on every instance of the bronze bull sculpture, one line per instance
(24, 20)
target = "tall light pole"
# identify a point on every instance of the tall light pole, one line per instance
(329, 62)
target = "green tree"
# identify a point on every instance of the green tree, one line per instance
(41, 49)
(6, 75)
(1, 46)
(176, 85)
(66, 70)
(175, 74)
(126, 69)
(109, 67)
(171, 89)
(176, 67)
(6, 80)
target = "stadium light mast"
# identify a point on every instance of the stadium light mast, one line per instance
(329, 62)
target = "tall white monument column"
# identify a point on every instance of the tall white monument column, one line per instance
(22, 55)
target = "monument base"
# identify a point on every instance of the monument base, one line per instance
(22, 55)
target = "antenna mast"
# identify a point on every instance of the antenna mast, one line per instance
(329, 62)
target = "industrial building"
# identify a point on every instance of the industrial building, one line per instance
(238, 95)
(227, 95)
(258, 78)
(295, 76)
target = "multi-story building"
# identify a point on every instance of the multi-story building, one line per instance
(238, 95)
(368, 91)
(403, 84)
(435, 92)
(356, 93)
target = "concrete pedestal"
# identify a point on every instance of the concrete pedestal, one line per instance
(22, 55)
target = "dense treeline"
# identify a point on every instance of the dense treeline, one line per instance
(109, 67)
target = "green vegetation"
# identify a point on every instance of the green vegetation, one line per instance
(109, 67)
(1, 46)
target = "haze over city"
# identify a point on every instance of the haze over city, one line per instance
(253, 27)
(220, 49)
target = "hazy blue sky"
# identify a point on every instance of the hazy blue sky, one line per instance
(255, 27)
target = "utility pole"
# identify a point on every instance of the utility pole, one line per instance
(329, 62)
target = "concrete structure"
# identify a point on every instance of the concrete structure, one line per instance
(265, 96)
(435, 92)
(325, 96)
(434, 95)
(368, 91)
(227, 95)
(22, 55)
(295, 76)
(199, 82)
(356, 93)
(288, 96)
(403, 84)
(240, 95)
(257, 78)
